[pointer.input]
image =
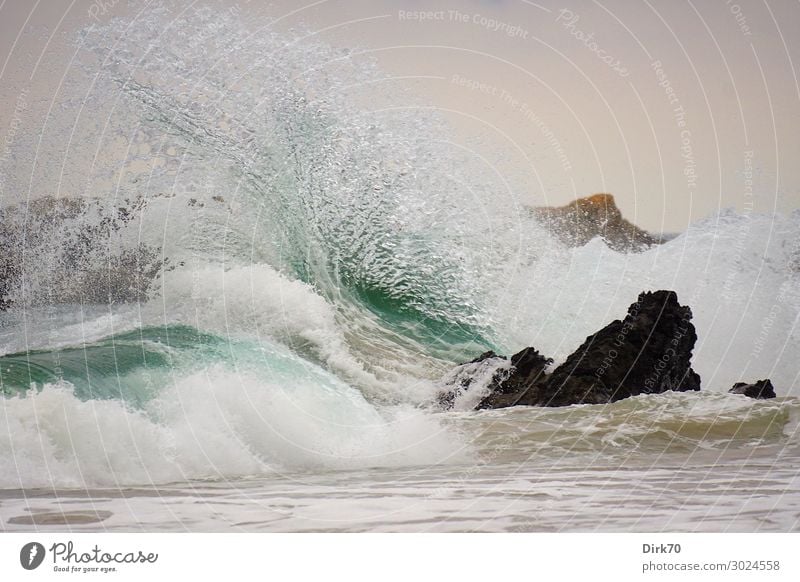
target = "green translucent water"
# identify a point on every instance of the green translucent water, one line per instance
(128, 366)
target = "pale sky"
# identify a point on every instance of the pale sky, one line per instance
(673, 106)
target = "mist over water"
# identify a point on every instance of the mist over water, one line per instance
(330, 254)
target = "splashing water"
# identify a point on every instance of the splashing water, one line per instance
(317, 254)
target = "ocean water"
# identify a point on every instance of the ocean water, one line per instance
(330, 256)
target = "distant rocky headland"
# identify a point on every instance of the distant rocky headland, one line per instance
(595, 216)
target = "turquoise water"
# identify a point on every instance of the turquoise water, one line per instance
(126, 366)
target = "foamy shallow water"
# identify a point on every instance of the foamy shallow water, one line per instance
(535, 470)
(759, 493)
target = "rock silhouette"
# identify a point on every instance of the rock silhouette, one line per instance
(647, 352)
(760, 390)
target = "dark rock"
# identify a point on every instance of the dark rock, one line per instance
(648, 352)
(595, 216)
(485, 356)
(761, 390)
(528, 368)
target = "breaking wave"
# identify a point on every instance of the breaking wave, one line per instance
(271, 256)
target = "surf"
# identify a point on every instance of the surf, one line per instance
(276, 256)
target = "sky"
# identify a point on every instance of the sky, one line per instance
(678, 108)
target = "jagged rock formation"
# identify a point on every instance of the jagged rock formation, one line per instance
(760, 390)
(528, 370)
(595, 216)
(648, 352)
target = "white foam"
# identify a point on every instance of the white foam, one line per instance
(479, 376)
(214, 424)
